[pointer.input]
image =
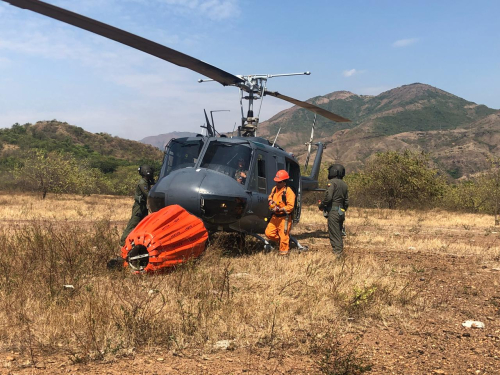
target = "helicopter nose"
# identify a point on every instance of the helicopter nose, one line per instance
(179, 187)
(223, 200)
(217, 198)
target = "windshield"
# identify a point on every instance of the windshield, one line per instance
(181, 153)
(228, 158)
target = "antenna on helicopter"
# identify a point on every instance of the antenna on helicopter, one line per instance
(275, 138)
(212, 116)
(234, 127)
(209, 127)
(309, 144)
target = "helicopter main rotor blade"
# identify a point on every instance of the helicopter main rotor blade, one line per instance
(131, 40)
(310, 107)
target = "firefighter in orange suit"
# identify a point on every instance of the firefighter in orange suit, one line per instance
(281, 203)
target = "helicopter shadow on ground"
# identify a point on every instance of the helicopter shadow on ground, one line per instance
(309, 235)
(236, 244)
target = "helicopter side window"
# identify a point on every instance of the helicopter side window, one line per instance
(294, 173)
(181, 154)
(261, 174)
(228, 158)
(293, 170)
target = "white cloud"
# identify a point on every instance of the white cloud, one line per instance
(404, 42)
(352, 72)
(349, 73)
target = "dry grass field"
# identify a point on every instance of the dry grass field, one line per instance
(394, 305)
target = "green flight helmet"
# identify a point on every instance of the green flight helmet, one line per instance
(336, 171)
(146, 171)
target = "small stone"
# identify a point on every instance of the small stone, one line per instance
(490, 318)
(466, 334)
(422, 279)
(40, 365)
(412, 248)
(10, 358)
(160, 359)
(223, 344)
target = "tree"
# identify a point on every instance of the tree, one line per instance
(56, 172)
(394, 179)
(489, 184)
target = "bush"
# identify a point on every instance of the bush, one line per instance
(393, 179)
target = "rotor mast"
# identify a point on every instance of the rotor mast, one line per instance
(255, 88)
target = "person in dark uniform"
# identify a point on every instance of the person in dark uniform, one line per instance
(241, 172)
(336, 203)
(139, 209)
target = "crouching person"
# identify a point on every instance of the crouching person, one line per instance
(281, 203)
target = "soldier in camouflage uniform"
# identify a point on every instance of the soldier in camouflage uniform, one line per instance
(335, 204)
(139, 209)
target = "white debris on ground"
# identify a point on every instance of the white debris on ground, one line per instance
(223, 344)
(473, 324)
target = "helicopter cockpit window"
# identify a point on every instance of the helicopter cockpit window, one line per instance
(181, 153)
(228, 158)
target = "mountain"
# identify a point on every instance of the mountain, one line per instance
(102, 150)
(459, 135)
(161, 140)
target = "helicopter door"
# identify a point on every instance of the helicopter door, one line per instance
(293, 170)
(258, 184)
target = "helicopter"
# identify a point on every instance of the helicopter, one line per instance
(203, 174)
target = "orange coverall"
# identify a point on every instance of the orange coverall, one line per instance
(275, 230)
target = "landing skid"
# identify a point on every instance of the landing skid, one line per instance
(267, 245)
(299, 246)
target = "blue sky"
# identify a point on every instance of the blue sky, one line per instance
(50, 70)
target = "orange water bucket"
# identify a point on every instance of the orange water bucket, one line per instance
(164, 239)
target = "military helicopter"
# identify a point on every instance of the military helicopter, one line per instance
(203, 174)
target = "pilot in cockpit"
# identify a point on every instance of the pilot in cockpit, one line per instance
(241, 171)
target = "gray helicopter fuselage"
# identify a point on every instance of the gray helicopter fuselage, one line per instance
(200, 174)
